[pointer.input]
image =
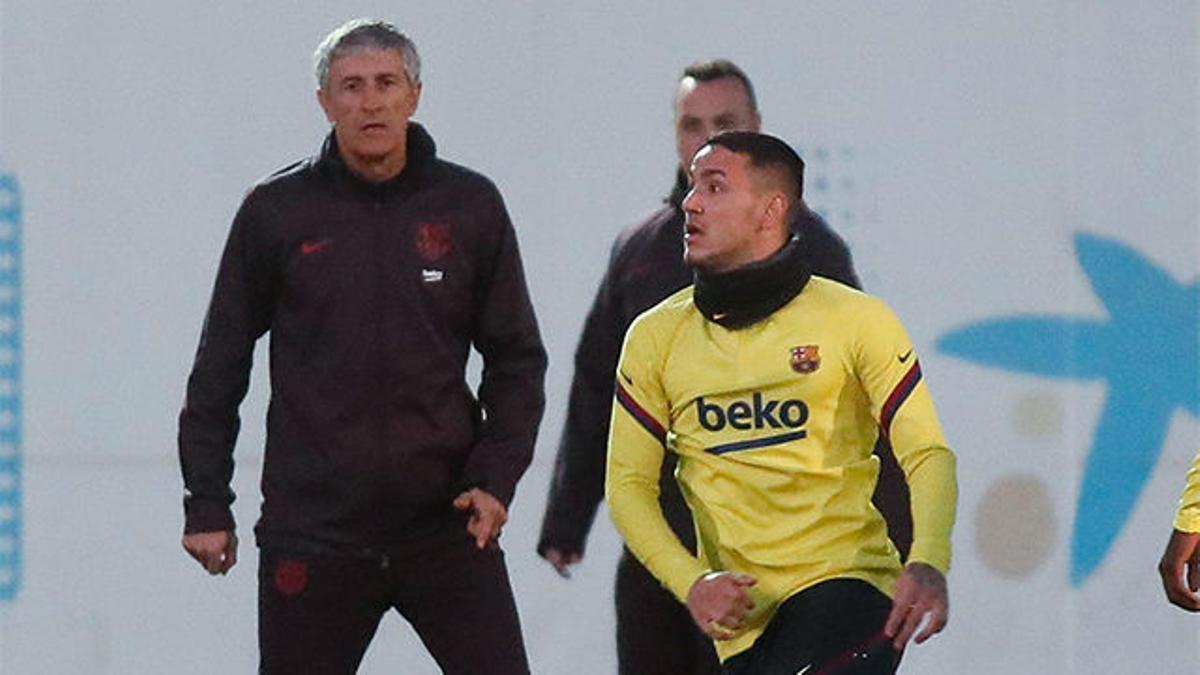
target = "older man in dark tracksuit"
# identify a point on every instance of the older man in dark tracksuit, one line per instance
(375, 266)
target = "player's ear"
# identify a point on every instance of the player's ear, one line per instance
(777, 208)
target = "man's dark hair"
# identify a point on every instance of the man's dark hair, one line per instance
(707, 71)
(770, 154)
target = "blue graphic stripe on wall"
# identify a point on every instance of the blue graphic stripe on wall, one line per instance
(10, 387)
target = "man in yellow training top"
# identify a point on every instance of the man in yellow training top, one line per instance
(1180, 564)
(772, 386)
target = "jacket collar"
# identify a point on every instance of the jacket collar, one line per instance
(422, 151)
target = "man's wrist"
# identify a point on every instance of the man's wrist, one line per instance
(706, 575)
(923, 554)
(202, 516)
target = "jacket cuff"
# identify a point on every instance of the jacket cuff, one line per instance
(567, 543)
(494, 487)
(206, 516)
(567, 521)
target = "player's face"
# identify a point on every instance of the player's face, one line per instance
(369, 101)
(724, 215)
(704, 108)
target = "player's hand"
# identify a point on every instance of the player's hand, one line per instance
(919, 596)
(488, 516)
(215, 551)
(720, 603)
(562, 560)
(1180, 570)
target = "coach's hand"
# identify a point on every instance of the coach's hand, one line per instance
(562, 560)
(488, 515)
(920, 594)
(720, 603)
(1180, 570)
(215, 551)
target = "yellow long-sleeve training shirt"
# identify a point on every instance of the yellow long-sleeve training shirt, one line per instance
(1187, 518)
(774, 425)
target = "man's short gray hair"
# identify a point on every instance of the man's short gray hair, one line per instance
(361, 34)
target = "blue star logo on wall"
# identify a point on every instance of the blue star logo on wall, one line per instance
(1147, 351)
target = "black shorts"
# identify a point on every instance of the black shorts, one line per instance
(833, 628)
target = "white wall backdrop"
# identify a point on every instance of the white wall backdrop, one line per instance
(1019, 180)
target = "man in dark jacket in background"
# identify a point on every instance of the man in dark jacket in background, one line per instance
(655, 634)
(375, 266)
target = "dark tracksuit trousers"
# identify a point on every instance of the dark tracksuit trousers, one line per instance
(318, 612)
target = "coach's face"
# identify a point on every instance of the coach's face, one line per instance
(369, 100)
(702, 109)
(724, 212)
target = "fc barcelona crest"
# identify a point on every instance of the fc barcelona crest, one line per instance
(433, 241)
(806, 359)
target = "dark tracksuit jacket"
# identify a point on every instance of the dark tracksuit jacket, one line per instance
(373, 295)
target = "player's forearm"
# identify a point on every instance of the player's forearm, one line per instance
(934, 489)
(1187, 518)
(633, 505)
(631, 486)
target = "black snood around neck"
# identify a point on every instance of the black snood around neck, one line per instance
(748, 294)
